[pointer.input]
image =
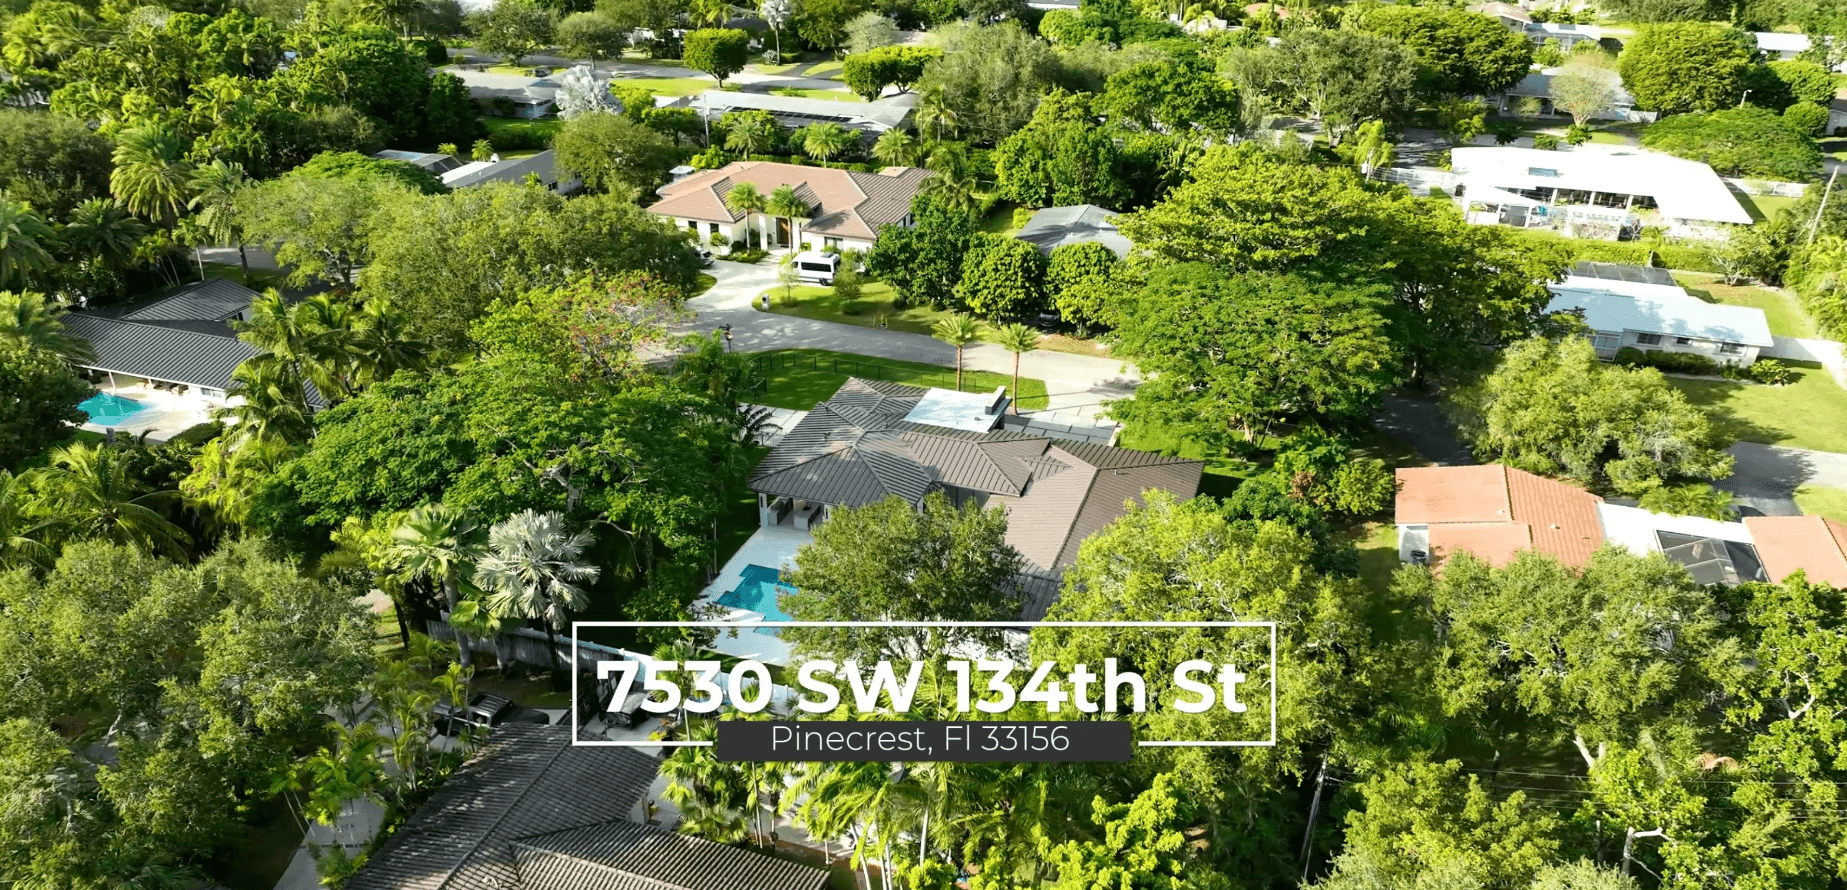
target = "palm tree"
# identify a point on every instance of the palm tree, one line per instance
(1017, 338)
(151, 173)
(18, 546)
(532, 569)
(957, 330)
(784, 203)
(935, 116)
(270, 405)
(313, 340)
(440, 545)
(824, 141)
(954, 179)
(896, 148)
(88, 491)
(398, 14)
(25, 242)
(383, 345)
(226, 474)
(749, 134)
(29, 318)
(215, 188)
(747, 199)
(103, 230)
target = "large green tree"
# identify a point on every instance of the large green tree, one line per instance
(1747, 141)
(989, 77)
(52, 162)
(514, 29)
(720, 52)
(1230, 356)
(611, 153)
(41, 407)
(1462, 53)
(319, 227)
(1002, 278)
(1686, 66)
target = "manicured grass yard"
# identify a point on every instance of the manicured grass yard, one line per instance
(835, 95)
(1809, 413)
(546, 128)
(1820, 500)
(671, 86)
(820, 304)
(1378, 546)
(1763, 207)
(1780, 308)
(999, 220)
(803, 378)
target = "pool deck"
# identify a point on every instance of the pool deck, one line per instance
(163, 415)
(771, 548)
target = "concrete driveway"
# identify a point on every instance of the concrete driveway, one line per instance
(1077, 384)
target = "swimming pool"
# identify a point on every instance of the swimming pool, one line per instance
(757, 592)
(106, 409)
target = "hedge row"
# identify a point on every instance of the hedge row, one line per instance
(1628, 253)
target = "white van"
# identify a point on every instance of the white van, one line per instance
(817, 267)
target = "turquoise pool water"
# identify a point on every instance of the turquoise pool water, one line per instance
(757, 592)
(106, 409)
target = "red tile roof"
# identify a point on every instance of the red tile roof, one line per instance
(845, 203)
(1495, 512)
(1811, 544)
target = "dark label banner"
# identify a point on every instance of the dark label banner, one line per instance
(925, 741)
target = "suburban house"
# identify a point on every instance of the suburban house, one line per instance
(1517, 19)
(1593, 194)
(1812, 545)
(869, 118)
(1538, 85)
(1055, 227)
(1495, 512)
(181, 339)
(508, 95)
(846, 208)
(1777, 45)
(432, 161)
(875, 439)
(1510, 15)
(1644, 308)
(531, 811)
(540, 166)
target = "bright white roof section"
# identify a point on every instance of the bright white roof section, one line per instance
(1635, 528)
(1776, 42)
(872, 117)
(1680, 316)
(1683, 189)
(968, 411)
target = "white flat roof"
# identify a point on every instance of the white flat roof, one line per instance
(966, 411)
(1635, 528)
(1675, 316)
(466, 169)
(1777, 42)
(1683, 189)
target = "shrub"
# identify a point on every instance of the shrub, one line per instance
(1772, 372)
(1022, 216)
(1577, 135)
(1807, 117)
(718, 239)
(198, 434)
(1630, 357)
(1689, 500)
(746, 256)
(1545, 142)
(520, 137)
(434, 52)
(1681, 362)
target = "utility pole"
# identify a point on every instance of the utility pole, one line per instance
(1629, 844)
(1815, 224)
(1314, 810)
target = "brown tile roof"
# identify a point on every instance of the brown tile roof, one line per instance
(845, 203)
(530, 811)
(1810, 544)
(856, 448)
(1495, 511)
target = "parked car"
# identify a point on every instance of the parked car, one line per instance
(817, 267)
(487, 711)
(541, 71)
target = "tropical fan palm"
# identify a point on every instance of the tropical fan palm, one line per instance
(151, 173)
(440, 545)
(783, 202)
(532, 569)
(215, 188)
(397, 14)
(31, 319)
(25, 242)
(896, 148)
(747, 199)
(103, 230)
(825, 141)
(749, 134)
(88, 493)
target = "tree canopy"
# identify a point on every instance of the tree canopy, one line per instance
(1686, 66)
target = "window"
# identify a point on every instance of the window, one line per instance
(1731, 348)
(1648, 339)
(830, 242)
(1683, 341)
(714, 229)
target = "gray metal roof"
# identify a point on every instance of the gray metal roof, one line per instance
(510, 171)
(214, 299)
(855, 449)
(529, 797)
(159, 352)
(1055, 227)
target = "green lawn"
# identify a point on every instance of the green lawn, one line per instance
(546, 128)
(803, 378)
(999, 220)
(703, 284)
(829, 69)
(820, 304)
(1809, 413)
(1780, 308)
(1223, 472)
(835, 95)
(1763, 207)
(1820, 500)
(640, 57)
(671, 86)
(1378, 546)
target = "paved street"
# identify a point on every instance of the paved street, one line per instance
(1076, 384)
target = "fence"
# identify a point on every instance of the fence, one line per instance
(1768, 187)
(523, 645)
